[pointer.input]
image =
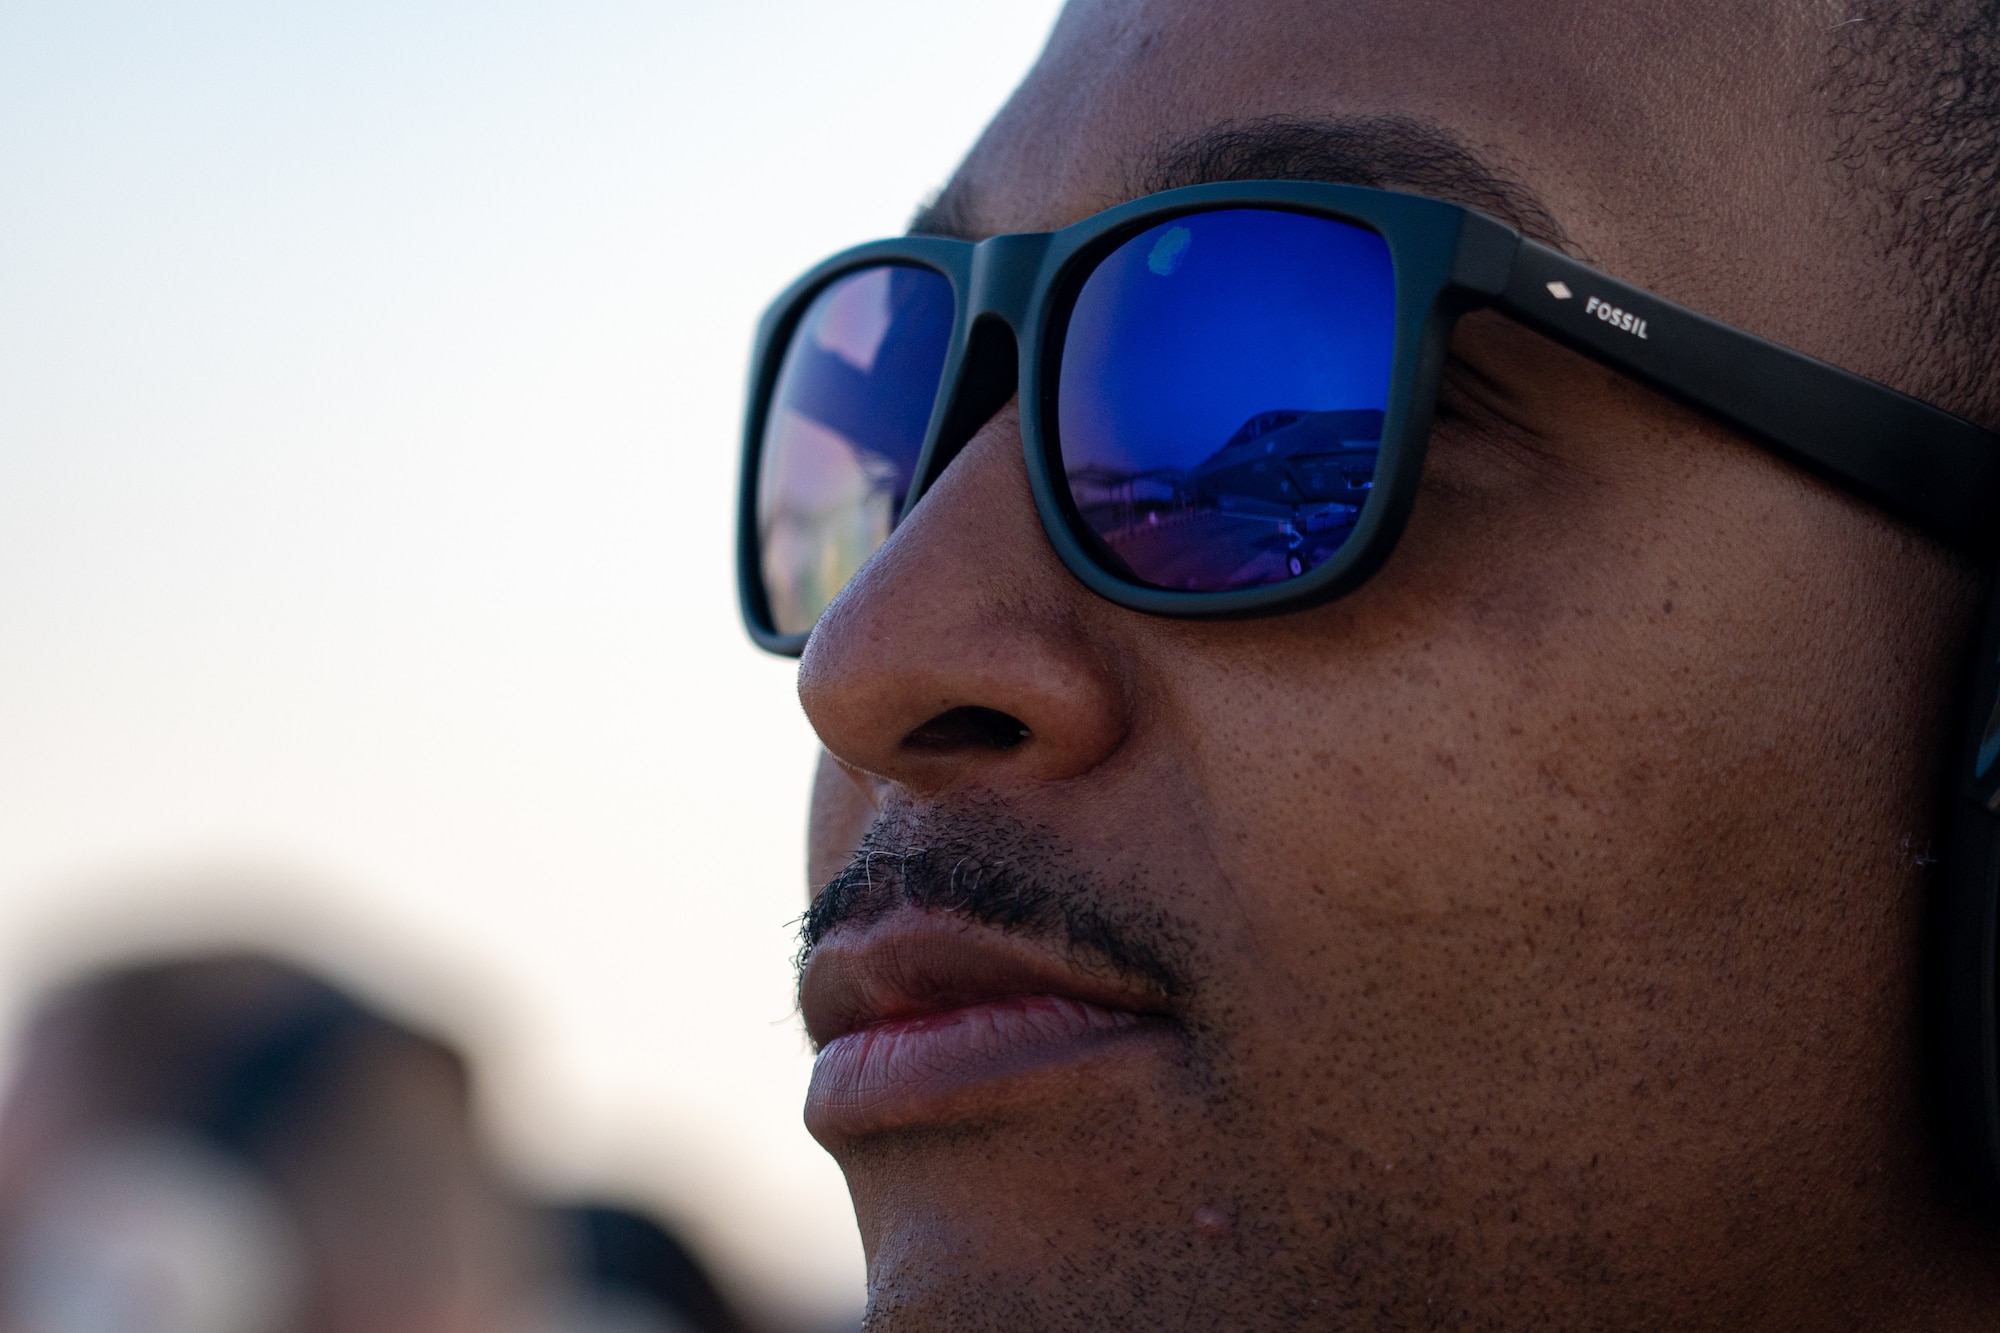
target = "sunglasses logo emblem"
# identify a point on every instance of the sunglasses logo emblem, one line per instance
(1604, 310)
(1616, 318)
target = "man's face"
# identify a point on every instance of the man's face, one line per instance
(1525, 940)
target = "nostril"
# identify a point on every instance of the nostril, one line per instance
(968, 728)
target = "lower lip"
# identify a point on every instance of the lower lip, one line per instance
(923, 1071)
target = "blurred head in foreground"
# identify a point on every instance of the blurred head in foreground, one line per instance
(231, 1145)
(1531, 936)
(246, 1148)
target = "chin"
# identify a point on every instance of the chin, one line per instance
(1080, 1212)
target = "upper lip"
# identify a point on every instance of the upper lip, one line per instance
(914, 962)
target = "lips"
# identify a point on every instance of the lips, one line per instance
(923, 1019)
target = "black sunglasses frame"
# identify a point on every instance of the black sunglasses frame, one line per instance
(1934, 470)
(1014, 293)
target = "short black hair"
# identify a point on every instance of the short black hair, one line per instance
(1915, 88)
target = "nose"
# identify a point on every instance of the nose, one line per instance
(964, 654)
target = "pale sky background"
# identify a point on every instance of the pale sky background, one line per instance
(369, 381)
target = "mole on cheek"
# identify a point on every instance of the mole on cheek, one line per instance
(1212, 1222)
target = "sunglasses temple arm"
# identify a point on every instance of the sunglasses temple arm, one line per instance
(1922, 463)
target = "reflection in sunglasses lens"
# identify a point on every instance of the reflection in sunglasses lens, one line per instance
(840, 445)
(1222, 387)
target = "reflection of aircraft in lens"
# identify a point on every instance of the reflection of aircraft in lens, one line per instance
(1293, 461)
(1275, 500)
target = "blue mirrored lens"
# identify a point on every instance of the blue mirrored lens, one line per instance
(1222, 387)
(847, 418)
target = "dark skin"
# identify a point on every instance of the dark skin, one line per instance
(1545, 913)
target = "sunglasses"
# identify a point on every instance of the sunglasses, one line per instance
(1226, 392)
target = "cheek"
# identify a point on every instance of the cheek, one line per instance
(1525, 816)
(1574, 683)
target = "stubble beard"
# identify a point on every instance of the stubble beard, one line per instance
(1245, 1210)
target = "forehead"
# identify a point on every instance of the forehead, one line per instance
(1631, 122)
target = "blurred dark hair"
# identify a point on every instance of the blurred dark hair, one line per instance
(621, 1252)
(234, 1048)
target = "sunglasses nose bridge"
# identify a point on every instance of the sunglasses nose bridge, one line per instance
(1004, 274)
(986, 370)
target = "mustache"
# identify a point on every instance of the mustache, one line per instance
(985, 866)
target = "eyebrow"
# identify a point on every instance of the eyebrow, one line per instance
(1382, 152)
